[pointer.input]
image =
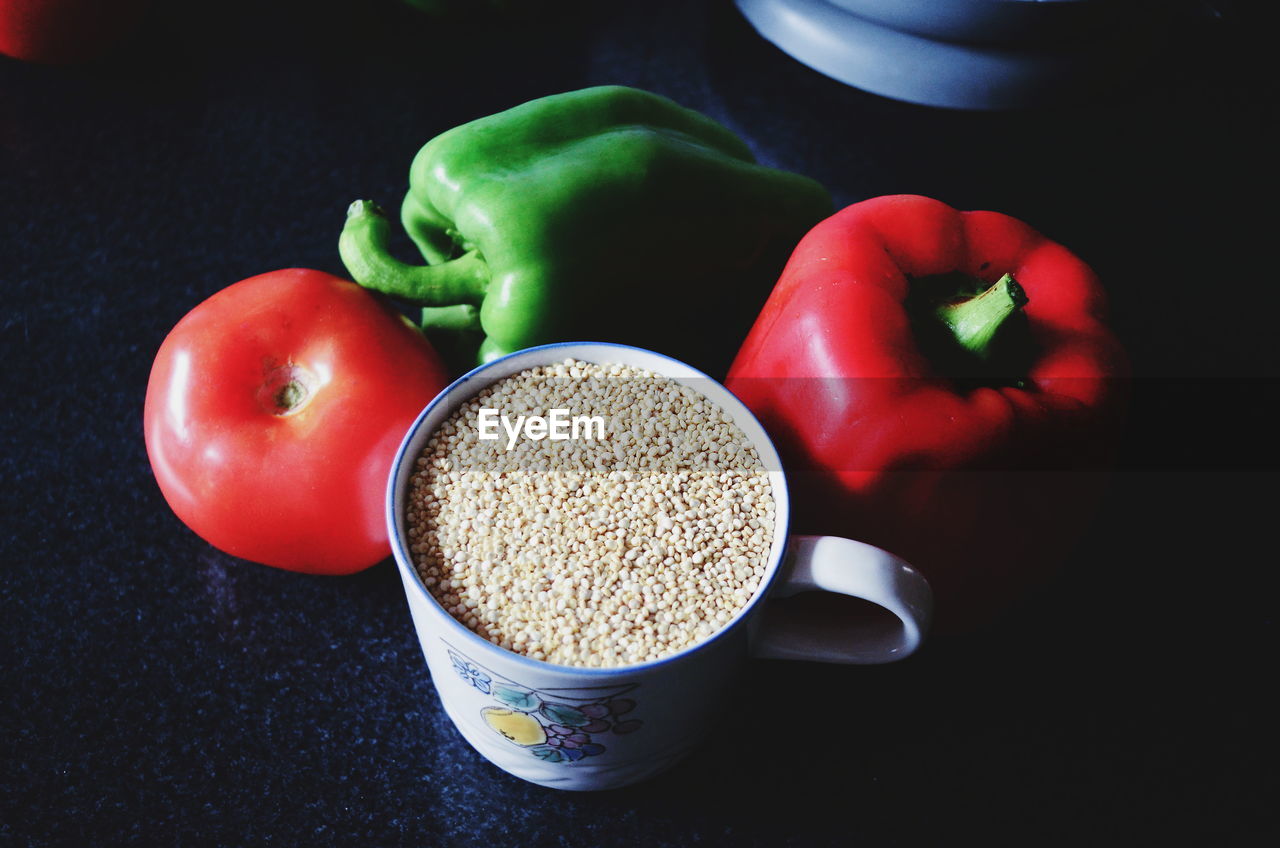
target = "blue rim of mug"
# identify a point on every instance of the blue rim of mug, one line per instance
(404, 561)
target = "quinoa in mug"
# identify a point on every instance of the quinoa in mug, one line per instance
(621, 541)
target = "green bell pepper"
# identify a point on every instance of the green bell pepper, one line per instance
(607, 213)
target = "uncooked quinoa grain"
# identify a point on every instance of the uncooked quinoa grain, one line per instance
(592, 552)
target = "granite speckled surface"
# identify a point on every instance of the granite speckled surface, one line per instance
(154, 691)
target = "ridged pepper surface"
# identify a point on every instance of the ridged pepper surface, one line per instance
(942, 384)
(603, 214)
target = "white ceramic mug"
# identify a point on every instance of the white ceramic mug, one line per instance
(597, 728)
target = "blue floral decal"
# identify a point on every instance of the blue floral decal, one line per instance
(471, 673)
(556, 726)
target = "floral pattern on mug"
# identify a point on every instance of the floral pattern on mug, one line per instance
(554, 725)
(469, 672)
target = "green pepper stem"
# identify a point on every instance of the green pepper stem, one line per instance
(461, 317)
(364, 247)
(975, 321)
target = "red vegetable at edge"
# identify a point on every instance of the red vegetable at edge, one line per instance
(57, 31)
(273, 412)
(982, 485)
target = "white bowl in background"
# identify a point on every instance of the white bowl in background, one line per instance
(963, 54)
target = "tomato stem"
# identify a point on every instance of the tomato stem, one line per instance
(290, 395)
(285, 389)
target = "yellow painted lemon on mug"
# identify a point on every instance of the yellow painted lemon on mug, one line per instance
(521, 728)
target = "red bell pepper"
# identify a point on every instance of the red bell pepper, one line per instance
(957, 431)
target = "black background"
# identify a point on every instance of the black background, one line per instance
(156, 691)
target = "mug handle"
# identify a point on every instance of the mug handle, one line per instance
(856, 569)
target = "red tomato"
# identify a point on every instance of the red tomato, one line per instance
(58, 31)
(273, 413)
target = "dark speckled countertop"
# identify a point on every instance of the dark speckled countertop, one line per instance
(154, 691)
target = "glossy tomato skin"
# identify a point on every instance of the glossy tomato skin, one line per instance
(301, 488)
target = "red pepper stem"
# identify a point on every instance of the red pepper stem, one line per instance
(364, 247)
(974, 322)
